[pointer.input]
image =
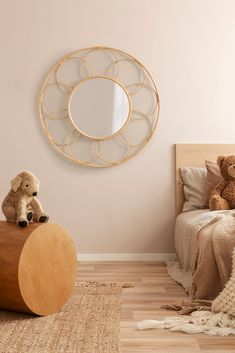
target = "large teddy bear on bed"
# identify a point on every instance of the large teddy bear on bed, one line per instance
(21, 205)
(223, 194)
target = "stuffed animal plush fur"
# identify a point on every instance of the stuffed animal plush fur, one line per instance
(223, 195)
(21, 205)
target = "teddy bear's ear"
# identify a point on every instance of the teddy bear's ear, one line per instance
(220, 160)
(15, 183)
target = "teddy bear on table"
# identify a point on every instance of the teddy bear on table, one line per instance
(223, 194)
(21, 205)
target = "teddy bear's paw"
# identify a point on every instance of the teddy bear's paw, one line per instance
(216, 198)
(44, 219)
(218, 203)
(22, 223)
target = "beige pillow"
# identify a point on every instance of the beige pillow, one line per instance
(213, 177)
(194, 180)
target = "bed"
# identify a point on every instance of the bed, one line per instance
(204, 240)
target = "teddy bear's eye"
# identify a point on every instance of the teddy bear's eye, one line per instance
(27, 185)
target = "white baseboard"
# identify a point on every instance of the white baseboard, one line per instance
(125, 257)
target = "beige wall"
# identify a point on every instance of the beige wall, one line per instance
(188, 45)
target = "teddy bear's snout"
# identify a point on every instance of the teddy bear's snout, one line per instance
(231, 170)
(35, 193)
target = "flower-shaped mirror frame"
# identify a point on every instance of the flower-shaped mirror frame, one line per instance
(88, 64)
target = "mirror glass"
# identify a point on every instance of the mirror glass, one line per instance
(99, 107)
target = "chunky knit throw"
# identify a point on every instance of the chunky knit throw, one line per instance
(225, 302)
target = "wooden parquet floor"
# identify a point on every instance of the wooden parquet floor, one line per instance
(152, 287)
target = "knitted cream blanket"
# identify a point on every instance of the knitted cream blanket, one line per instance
(199, 321)
(219, 321)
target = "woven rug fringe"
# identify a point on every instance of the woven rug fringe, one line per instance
(103, 284)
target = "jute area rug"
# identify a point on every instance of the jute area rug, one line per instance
(88, 323)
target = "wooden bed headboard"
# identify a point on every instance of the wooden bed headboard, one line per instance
(194, 155)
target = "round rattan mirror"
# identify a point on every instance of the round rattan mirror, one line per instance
(99, 107)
